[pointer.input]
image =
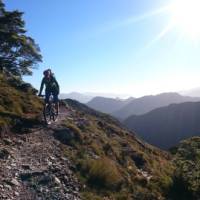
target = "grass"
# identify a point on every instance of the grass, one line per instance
(16, 103)
(108, 160)
(103, 172)
(187, 173)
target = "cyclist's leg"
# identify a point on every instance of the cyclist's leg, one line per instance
(56, 101)
(46, 110)
(47, 95)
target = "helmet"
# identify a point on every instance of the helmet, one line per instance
(46, 71)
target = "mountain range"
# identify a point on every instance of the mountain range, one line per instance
(123, 109)
(108, 105)
(88, 96)
(165, 127)
(195, 92)
(83, 98)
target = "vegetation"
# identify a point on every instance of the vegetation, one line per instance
(110, 161)
(102, 173)
(187, 174)
(18, 102)
(18, 56)
(18, 52)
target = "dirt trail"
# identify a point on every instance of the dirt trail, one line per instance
(32, 166)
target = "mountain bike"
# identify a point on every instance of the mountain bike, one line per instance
(49, 111)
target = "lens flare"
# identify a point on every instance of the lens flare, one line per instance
(186, 16)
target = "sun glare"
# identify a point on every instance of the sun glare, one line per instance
(186, 16)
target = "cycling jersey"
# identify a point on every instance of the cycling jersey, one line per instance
(51, 85)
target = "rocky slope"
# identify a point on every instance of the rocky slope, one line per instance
(110, 161)
(33, 166)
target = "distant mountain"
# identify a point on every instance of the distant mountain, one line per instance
(147, 103)
(76, 96)
(165, 127)
(195, 92)
(88, 96)
(108, 95)
(108, 105)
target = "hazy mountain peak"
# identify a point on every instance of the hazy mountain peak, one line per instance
(147, 103)
(108, 105)
(166, 126)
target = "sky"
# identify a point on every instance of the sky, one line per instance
(131, 47)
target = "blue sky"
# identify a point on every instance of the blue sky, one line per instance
(111, 46)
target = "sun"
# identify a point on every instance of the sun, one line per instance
(186, 16)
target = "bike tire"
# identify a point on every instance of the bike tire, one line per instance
(54, 114)
(47, 114)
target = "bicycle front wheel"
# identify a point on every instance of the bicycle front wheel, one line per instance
(54, 114)
(47, 114)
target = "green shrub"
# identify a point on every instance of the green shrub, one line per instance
(104, 173)
(165, 183)
(75, 130)
(187, 173)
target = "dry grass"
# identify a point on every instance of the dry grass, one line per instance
(16, 103)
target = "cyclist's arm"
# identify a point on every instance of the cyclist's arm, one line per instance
(57, 85)
(41, 87)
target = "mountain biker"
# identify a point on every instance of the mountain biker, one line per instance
(51, 87)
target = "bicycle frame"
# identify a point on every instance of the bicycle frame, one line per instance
(49, 112)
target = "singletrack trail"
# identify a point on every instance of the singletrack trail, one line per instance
(34, 167)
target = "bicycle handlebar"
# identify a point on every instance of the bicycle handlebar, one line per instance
(41, 95)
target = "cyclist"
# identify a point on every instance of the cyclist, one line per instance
(51, 87)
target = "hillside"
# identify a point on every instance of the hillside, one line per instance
(18, 102)
(109, 160)
(108, 105)
(85, 155)
(187, 174)
(145, 104)
(34, 166)
(167, 126)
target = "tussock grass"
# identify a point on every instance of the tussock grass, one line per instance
(104, 173)
(17, 102)
(112, 163)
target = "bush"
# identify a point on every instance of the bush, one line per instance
(76, 132)
(27, 87)
(69, 136)
(104, 173)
